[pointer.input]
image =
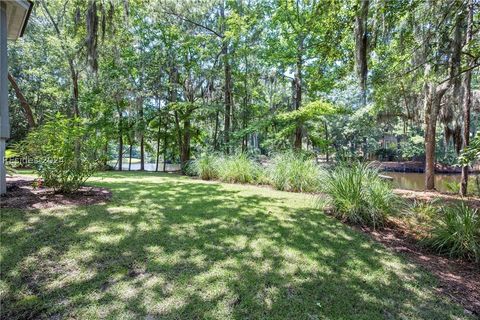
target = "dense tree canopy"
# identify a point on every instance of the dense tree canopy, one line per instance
(371, 79)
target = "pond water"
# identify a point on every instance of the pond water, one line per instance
(416, 181)
(150, 166)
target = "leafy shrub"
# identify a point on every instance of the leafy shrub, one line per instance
(9, 164)
(238, 169)
(473, 185)
(294, 172)
(387, 154)
(452, 186)
(413, 148)
(476, 184)
(457, 232)
(64, 152)
(206, 167)
(357, 194)
(471, 154)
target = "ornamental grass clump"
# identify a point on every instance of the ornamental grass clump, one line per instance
(295, 172)
(456, 232)
(206, 167)
(356, 193)
(238, 168)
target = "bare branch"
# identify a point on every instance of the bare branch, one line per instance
(182, 17)
(476, 65)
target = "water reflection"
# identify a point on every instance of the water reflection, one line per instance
(416, 181)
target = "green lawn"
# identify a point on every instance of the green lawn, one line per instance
(171, 247)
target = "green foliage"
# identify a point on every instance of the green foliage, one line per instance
(206, 167)
(457, 233)
(161, 82)
(472, 153)
(357, 194)
(309, 111)
(9, 164)
(387, 154)
(476, 183)
(64, 152)
(238, 168)
(452, 186)
(291, 171)
(424, 211)
(473, 185)
(413, 147)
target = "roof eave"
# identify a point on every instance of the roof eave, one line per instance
(25, 22)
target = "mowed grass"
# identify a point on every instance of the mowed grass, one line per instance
(170, 247)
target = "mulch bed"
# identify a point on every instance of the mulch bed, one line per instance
(458, 279)
(447, 198)
(22, 195)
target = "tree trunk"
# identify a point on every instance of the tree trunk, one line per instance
(76, 111)
(228, 84)
(142, 153)
(244, 125)
(361, 45)
(467, 101)
(71, 64)
(215, 133)
(365, 148)
(326, 139)
(172, 99)
(23, 101)
(178, 129)
(142, 134)
(246, 103)
(130, 157)
(165, 151)
(74, 75)
(433, 99)
(158, 147)
(120, 140)
(185, 150)
(228, 100)
(298, 92)
(105, 154)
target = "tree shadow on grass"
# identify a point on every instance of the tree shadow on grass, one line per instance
(175, 248)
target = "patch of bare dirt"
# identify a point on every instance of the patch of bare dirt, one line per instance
(21, 194)
(446, 197)
(459, 279)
